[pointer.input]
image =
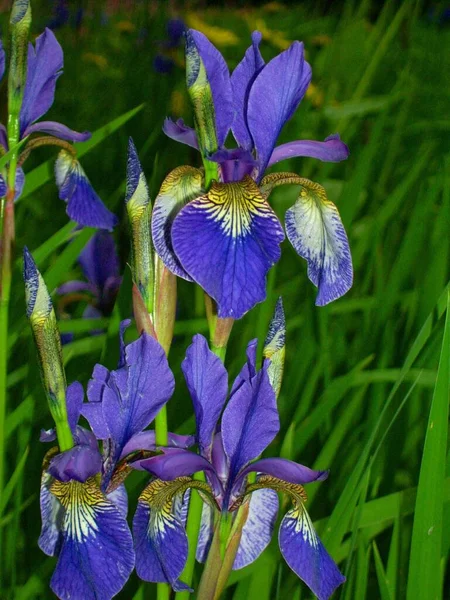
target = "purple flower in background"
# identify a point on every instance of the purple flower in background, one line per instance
(164, 62)
(83, 500)
(45, 63)
(227, 454)
(100, 265)
(227, 238)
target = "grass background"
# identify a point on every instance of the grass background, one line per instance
(366, 383)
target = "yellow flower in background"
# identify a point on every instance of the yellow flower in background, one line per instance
(217, 35)
(315, 95)
(276, 38)
(125, 26)
(178, 102)
(97, 59)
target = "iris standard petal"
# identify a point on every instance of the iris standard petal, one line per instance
(250, 421)
(83, 204)
(331, 150)
(258, 528)
(146, 440)
(58, 130)
(249, 369)
(306, 555)
(92, 410)
(315, 229)
(45, 63)
(178, 131)
(207, 381)
(219, 80)
(274, 97)
(242, 79)
(74, 402)
(160, 540)
(96, 556)
(179, 187)
(227, 241)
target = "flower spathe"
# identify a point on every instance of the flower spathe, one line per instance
(229, 452)
(218, 238)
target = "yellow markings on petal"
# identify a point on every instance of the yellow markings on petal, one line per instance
(182, 184)
(269, 182)
(160, 495)
(234, 205)
(81, 502)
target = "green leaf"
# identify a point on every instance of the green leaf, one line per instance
(381, 575)
(424, 579)
(14, 480)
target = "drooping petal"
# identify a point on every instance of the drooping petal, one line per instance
(96, 556)
(79, 464)
(45, 63)
(331, 150)
(2, 61)
(207, 381)
(83, 204)
(52, 517)
(250, 421)
(274, 97)
(258, 528)
(284, 469)
(306, 555)
(227, 241)
(242, 80)
(99, 260)
(315, 229)
(119, 497)
(219, 79)
(178, 131)
(160, 540)
(179, 187)
(206, 533)
(58, 130)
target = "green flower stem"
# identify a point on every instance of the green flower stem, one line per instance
(211, 172)
(192, 530)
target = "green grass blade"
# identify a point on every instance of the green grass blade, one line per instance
(13, 482)
(381, 575)
(424, 579)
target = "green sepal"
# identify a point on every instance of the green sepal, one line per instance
(275, 347)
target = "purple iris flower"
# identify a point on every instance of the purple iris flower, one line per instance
(45, 63)
(227, 454)
(227, 238)
(100, 265)
(83, 499)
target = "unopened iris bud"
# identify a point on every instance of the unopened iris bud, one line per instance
(275, 347)
(42, 318)
(20, 22)
(201, 96)
(139, 208)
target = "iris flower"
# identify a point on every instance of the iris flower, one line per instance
(227, 453)
(45, 63)
(226, 238)
(83, 499)
(100, 265)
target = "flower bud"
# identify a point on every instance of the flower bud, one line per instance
(275, 347)
(19, 22)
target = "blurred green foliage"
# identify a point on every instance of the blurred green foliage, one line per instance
(360, 373)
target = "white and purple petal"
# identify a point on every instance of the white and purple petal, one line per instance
(315, 230)
(160, 540)
(207, 381)
(179, 187)
(178, 131)
(52, 517)
(206, 533)
(258, 528)
(242, 79)
(119, 498)
(45, 63)
(332, 149)
(83, 204)
(2, 187)
(274, 96)
(306, 555)
(227, 241)
(96, 556)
